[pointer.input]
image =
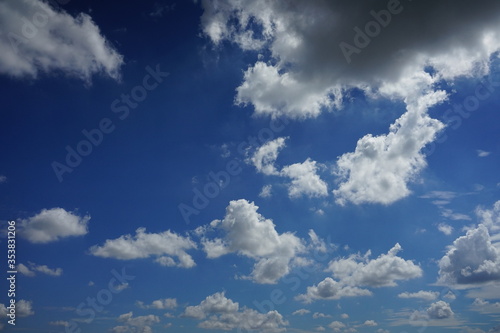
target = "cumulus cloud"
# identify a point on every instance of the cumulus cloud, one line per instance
(471, 260)
(336, 325)
(331, 290)
(221, 313)
(485, 307)
(53, 224)
(317, 315)
(422, 294)
(445, 228)
(39, 38)
(165, 246)
(307, 70)
(370, 323)
(138, 324)
(305, 180)
(160, 304)
(32, 268)
(440, 310)
(24, 308)
(360, 271)
(383, 271)
(380, 168)
(304, 177)
(265, 156)
(248, 233)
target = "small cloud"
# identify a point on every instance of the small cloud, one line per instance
(91, 283)
(344, 316)
(32, 268)
(370, 323)
(317, 315)
(3, 179)
(300, 312)
(482, 153)
(266, 191)
(445, 228)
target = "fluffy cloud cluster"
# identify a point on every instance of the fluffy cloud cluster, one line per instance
(357, 271)
(221, 313)
(331, 289)
(248, 233)
(304, 176)
(383, 271)
(305, 180)
(307, 70)
(440, 310)
(474, 259)
(39, 38)
(265, 156)
(471, 260)
(24, 308)
(380, 168)
(32, 268)
(131, 324)
(165, 246)
(53, 224)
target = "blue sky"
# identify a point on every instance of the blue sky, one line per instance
(251, 166)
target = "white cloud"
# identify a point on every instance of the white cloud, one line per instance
(307, 70)
(165, 245)
(440, 310)
(53, 224)
(30, 271)
(380, 168)
(222, 313)
(358, 271)
(471, 260)
(248, 233)
(265, 156)
(490, 217)
(370, 323)
(422, 294)
(266, 191)
(300, 312)
(344, 316)
(139, 324)
(317, 315)
(305, 180)
(445, 228)
(331, 290)
(336, 326)
(3, 179)
(24, 308)
(160, 304)
(41, 39)
(482, 153)
(380, 272)
(485, 307)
